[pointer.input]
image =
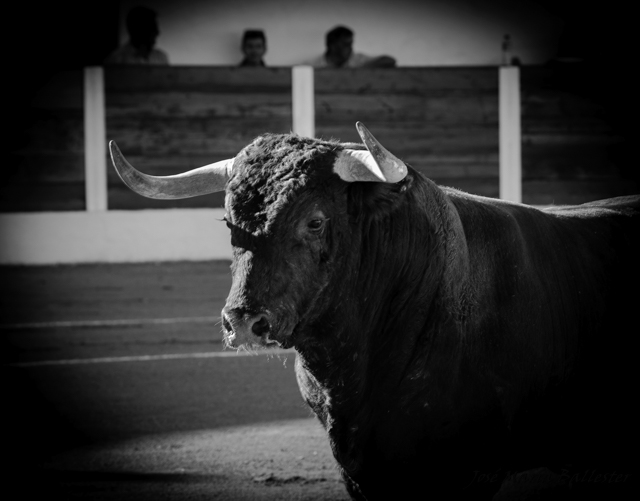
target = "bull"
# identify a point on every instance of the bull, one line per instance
(443, 339)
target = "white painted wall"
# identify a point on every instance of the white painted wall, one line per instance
(416, 33)
(113, 236)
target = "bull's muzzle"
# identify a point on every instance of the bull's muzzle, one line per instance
(245, 329)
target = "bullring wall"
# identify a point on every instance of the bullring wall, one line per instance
(445, 122)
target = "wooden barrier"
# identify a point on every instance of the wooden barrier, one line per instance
(573, 139)
(167, 120)
(442, 121)
(46, 161)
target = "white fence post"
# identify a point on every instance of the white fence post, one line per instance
(303, 103)
(95, 150)
(510, 135)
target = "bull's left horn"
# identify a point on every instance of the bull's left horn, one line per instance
(376, 164)
(201, 181)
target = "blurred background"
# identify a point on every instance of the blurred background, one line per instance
(437, 108)
(417, 33)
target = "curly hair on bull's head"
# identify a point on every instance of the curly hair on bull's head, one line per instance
(272, 170)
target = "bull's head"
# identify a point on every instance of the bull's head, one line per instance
(287, 209)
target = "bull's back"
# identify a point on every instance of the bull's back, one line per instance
(558, 293)
(629, 205)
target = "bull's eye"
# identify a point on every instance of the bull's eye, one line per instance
(316, 225)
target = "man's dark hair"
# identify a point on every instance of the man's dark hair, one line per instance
(141, 19)
(249, 34)
(337, 33)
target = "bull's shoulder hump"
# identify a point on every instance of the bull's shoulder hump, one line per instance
(625, 205)
(477, 205)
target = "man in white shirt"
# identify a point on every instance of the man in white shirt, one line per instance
(340, 54)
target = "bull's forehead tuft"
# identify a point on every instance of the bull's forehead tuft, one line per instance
(272, 156)
(273, 170)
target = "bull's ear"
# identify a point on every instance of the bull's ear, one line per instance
(376, 164)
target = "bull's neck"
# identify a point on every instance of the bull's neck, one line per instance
(405, 264)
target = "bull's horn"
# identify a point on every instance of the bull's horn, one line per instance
(200, 181)
(376, 165)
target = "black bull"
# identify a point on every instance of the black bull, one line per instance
(443, 339)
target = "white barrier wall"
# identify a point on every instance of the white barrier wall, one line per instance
(113, 236)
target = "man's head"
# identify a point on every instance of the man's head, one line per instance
(142, 26)
(254, 46)
(339, 42)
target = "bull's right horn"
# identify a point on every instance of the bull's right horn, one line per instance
(375, 163)
(201, 181)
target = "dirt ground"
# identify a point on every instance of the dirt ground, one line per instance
(97, 413)
(116, 387)
(283, 460)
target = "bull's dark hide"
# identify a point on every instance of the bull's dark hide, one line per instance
(444, 339)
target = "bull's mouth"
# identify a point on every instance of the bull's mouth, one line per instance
(285, 342)
(262, 334)
(262, 342)
(280, 337)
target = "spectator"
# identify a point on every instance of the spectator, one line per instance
(254, 46)
(339, 53)
(143, 30)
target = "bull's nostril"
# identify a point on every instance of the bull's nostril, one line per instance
(260, 327)
(226, 325)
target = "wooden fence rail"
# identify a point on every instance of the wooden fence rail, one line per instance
(446, 122)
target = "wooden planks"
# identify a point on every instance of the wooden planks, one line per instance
(46, 161)
(442, 121)
(570, 143)
(168, 120)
